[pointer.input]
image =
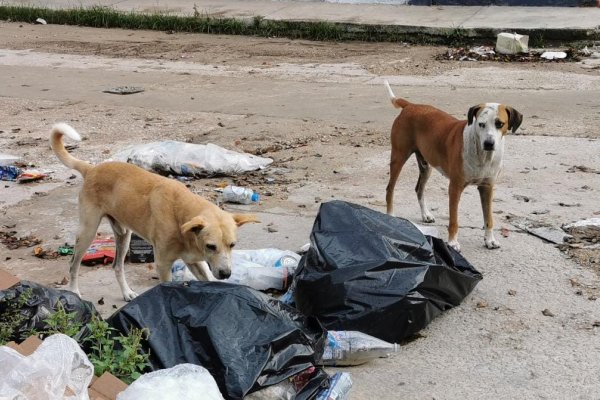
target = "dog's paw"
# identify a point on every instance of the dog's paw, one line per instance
(492, 243)
(454, 244)
(129, 295)
(428, 218)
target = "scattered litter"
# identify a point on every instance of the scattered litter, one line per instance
(101, 251)
(345, 348)
(554, 55)
(240, 195)
(46, 254)
(512, 292)
(124, 90)
(548, 233)
(287, 389)
(140, 251)
(41, 21)
(9, 172)
(585, 230)
(540, 212)
(30, 176)
(476, 54)
(339, 387)
(183, 381)
(57, 366)
(66, 250)
(383, 277)
(526, 199)
(246, 339)
(583, 168)
(12, 241)
(548, 313)
(511, 43)
(563, 204)
(178, 158)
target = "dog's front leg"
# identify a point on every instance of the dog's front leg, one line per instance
(486, 194)
(201, 271)
(454, 192)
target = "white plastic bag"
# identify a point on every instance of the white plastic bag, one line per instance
(189, 159)
(184, 381)
(58, 364)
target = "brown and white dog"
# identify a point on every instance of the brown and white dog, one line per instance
(178, 223)
(466, 152)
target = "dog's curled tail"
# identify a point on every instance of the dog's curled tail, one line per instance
(56, 142)
(396, 102)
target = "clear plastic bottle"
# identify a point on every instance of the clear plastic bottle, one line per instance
(244, 272)
(354, 348)
(241, 195)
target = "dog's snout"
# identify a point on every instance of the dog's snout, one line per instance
(224, 274)
(489, 144)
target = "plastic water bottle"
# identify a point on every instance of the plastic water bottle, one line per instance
(269, 257)
(354, 348)
(241, 195)
(339, 387)
(244, 272)
(178, 271)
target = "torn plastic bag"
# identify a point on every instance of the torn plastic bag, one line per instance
(183, 381)
(178, 158)
(36, 303)
(56, 365)
(370, 272)
(244, 338)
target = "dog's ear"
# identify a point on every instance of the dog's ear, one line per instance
(514, 119)
(241, 219)
(473, 113)
(194, 225)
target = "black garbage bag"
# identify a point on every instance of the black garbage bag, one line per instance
(27, 305)
(377, 274)
(244, 338)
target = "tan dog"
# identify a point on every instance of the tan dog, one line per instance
(178, 223)
(466, 152)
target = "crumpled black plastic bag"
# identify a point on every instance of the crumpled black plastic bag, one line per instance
(244, 338)
(41, 302)
(377, 274)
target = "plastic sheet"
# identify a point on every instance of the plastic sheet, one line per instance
(41, 303)
(373, 273)
(58, 364)
(184, 381)
(244, 338)
(189, 159)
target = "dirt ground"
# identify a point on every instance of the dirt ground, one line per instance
(320, 112)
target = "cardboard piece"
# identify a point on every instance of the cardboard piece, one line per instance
(7, 279)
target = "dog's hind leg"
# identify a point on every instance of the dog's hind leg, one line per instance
(424, 174)
(397, 161)
(89, 220)
(122, 239)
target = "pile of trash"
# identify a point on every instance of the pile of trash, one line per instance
(488, 53)
(365, 283)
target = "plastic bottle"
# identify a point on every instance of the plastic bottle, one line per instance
(180, 272)
(244, 272)
(269, 257)
(354, 348)
(241, 195)
(339, 387)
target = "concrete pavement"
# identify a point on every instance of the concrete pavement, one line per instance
(550, 23)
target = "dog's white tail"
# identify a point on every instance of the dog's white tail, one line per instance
(58, 131)
(396, 102)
